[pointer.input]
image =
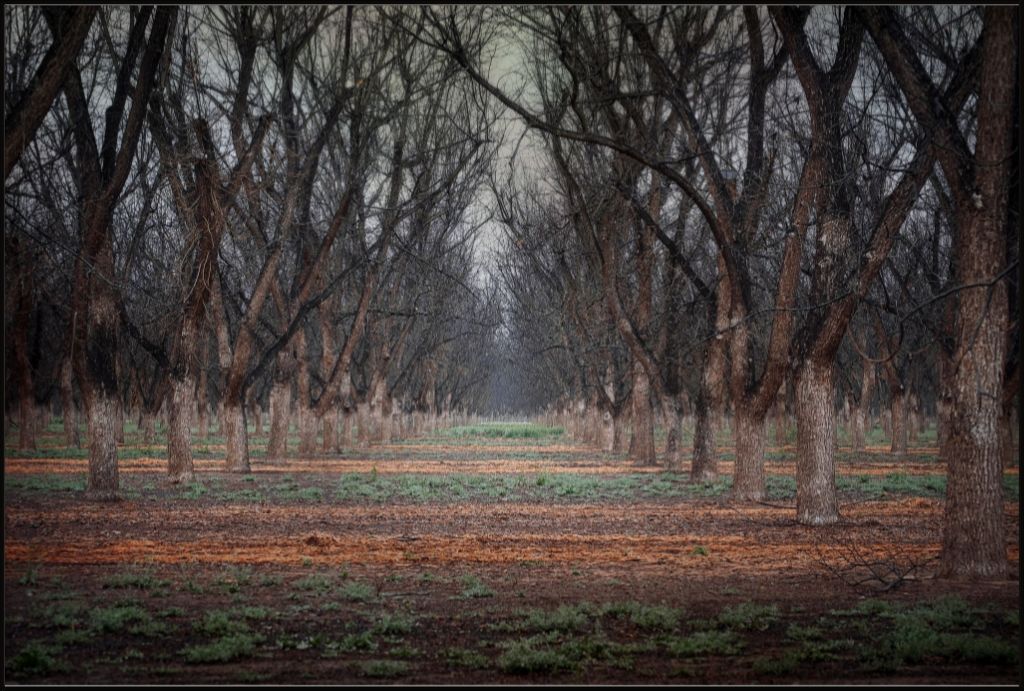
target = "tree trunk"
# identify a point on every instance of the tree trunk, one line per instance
(898, 417)
(257, 419)
(385, 420)
(307, 419)
(643, 419)
(67, 402)
(330, 429)
(179, 434)
(201, 399)
(705, 453)
(280, 405)
(780, 419)
(749, 433)
(816, 500)
(235, 438)
(345, 440)
(148, 425)
(363, 424)
(674, 443)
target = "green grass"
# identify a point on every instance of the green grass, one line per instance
(225, 649)
(505, 430)
(36, 659)
(749, 616)
(383, 669)
(473, 587)
(704, 643)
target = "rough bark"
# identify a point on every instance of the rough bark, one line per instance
(236, 440)
(748, 479)
(898, 421)
(643, 419)
(280, 412)
(179, 436)
(705, 456)
(816, 501)
(363, 434)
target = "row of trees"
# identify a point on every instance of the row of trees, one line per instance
(233, 206)
(717, 205)
(733, 199)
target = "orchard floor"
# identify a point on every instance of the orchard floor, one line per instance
(471, 559)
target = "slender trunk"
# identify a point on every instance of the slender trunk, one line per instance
(363, 424)
(674, 443)
(856, 429)
(179, 434)
(385, 426)
(607, 432)
(235, 438)
(345, 441)
(749, 432)
(330, 429)
(643, 453)
(816, 500)
(103, 480)
(898, 417)
(705, 452)
(201, 398)
(100, 383)
(281, 402)
(148, 425)
(781, 433)
(257, 419)
(307, 419)
(67, 402)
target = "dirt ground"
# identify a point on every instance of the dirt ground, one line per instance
(241, 581)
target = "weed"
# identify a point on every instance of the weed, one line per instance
(704, 643)
(354, 642)
(37, 658)
(749, 616)
(797, 632)
(644, 616)
(463, 657)
(358, 592)
(317, 582)
(123, 617)
(224, 649)
(777, 666)
(31, 576)
(566, 618)
(384, 668)
(405, 652)
(140, 581)
(220, 623)
(474, 587)
(520, 657)
(393, 625)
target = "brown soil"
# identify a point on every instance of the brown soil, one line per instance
(416, 558)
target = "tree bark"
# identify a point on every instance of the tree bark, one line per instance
(179, 435)
(898, 421)
(280, 405)
(643, 419)
(236, 440)
(748, 478)
(816, 501)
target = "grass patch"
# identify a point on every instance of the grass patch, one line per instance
(505, 431)
(37, 659)
(383, 669)
(749, 616)
(704, 643)
(224, 649)
(473, 587)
